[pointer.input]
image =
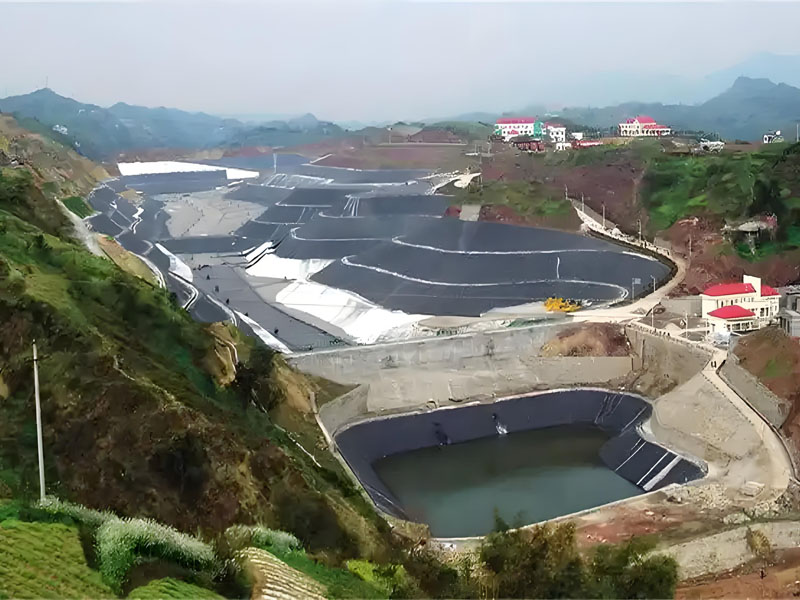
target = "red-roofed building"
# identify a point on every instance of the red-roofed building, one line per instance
(642, 126)
(732, 312)
(740, 306)
(511, 127)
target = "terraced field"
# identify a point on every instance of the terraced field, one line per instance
(45, 560)
(172, 589)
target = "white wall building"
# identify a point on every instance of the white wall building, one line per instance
(513, 126)
(740, 306)
(642, 126)
(557, 132)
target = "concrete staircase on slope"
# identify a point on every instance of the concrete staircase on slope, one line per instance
(273, 579)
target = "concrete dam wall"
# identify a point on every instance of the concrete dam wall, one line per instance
(641, 461)
(358, 364)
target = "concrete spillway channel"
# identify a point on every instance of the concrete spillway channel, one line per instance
(572, 419)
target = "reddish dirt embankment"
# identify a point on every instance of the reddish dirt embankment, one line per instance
(612, 183)
(713, 260)
(774, 358)
(588, 339)
(406, 156)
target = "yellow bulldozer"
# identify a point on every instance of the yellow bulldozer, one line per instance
(560, 305)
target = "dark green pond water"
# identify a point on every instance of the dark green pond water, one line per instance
(527, 476)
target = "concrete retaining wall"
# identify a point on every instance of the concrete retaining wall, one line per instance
(774, 409)
(485, 379)
(345, 409)
(677, 359)
(357, 364)
(685, 304)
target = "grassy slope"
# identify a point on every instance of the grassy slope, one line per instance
(78, 205)
(46, 560)
(340, 583)
(533, 203)
(125, 260)
(728, 187)
(169, 589)
(134, 421)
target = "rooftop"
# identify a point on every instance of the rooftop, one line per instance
(732, 312)
(732, 289)
(515, 120)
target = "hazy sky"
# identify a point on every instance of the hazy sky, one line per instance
(371, 60)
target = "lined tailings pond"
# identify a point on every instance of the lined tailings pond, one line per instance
(527, 476)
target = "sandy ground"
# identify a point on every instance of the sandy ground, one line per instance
(207, 213)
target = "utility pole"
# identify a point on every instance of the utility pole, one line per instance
(38, 421)
(583, 204)
(604, 215)
(640, 230)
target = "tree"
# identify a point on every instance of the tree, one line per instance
(253, 382)
(542, 562)
(626, 571)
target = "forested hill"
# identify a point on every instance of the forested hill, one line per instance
(103, 133)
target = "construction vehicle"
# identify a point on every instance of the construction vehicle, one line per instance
(561, 305)
(709, 146)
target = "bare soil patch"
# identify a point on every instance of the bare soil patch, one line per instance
(406, 156)
(588, 339)
(781, 579)
(712, 260)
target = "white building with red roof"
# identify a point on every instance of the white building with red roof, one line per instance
(511, 127)
(643, 126)
(740, 306)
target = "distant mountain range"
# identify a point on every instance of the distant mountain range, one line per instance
(606, 88)
(103, 133)
(748, 109)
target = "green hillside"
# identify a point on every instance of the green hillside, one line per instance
(46, 560)
(102, 133)
(134, 420)
(729, 188)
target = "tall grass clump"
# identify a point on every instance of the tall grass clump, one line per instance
(124, 543)
(241, 536)
(80, 514)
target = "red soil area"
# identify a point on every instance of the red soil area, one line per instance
(500, 213)
(249, 151)
(613, 184)
(781, 579)
(408, 156)
(645, 517)
(714, 261)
